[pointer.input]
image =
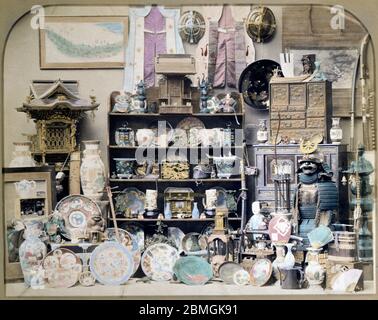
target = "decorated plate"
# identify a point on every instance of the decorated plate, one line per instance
(261, 272)
(193, 270)
(111, 263)
(227, 271)
(176, 235)
(158, 261)
(193, 242)
(128, 241)
(254, 83)
(137, 231)
(130, 198)
(76, 210)
(191, 126)
(241, 277)
(62, 268)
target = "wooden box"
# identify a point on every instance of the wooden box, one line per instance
(305, 109)
(180, 200)
(175, 170)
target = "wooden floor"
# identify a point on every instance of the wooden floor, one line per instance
(168, 290)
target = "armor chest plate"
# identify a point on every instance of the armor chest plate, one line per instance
(308, 194)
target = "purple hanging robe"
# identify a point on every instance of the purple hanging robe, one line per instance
(225, 60)
(154, 43)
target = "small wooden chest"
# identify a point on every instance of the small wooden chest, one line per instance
(305, 109)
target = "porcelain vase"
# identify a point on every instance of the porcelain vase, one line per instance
(195, 211)
(279, 262)
(289, 258)
(32, 251)
(336, 133)
(22, 156)
(92, 171)
(262, 132)
(314, 271)
(167, 211)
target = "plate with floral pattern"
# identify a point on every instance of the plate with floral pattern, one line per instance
(158, 261)
(111, 263)
(76, 210)
(128, 241)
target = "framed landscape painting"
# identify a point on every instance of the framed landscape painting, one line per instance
(83, 42)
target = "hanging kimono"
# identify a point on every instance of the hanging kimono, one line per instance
(153, 30)
(226, 49)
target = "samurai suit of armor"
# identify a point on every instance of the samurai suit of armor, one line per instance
(316, 197)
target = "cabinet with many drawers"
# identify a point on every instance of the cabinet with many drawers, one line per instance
(304, 108)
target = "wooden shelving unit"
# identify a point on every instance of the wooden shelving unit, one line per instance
(142, 120)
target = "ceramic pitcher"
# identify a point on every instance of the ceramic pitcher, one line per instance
(291, 278)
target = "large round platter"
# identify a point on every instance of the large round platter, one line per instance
(130, 198)
(227, 271)
(158, 261)
(261, 272)
(62, 268)
(254, 83)
(190, 128)
(193, 270)
(76, 210)
(128, 241)
(111, 263)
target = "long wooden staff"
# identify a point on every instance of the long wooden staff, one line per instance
(110, 196)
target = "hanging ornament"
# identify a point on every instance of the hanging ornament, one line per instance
(192, 26)
(261, 24)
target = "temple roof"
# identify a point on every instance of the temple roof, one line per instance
(48, 95)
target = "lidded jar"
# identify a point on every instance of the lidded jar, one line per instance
(124, 136)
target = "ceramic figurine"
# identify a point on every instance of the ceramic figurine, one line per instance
(228, 104)
(318, 75)
(32, 250)
(257, 221)
(123, 102)
(92, 171)
(316, 197)
(22, 156)
(336, 133)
